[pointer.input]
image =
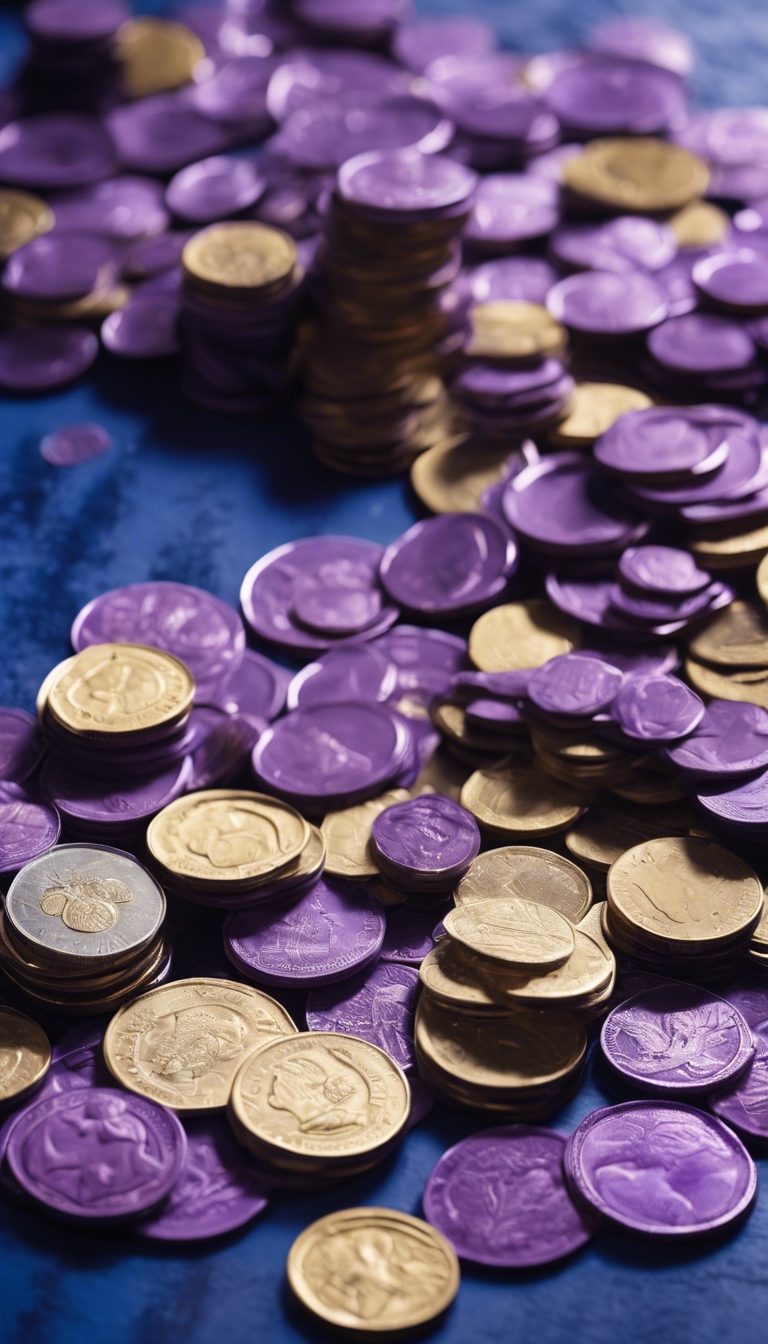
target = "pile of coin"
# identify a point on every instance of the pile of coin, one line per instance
(71, 62)
(82, 931)
(240, 298)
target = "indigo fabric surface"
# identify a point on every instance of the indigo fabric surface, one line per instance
(185, 494)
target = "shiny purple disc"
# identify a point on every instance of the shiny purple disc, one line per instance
(739, 474)
(627, 243)
(449, 564)
(356, 672)
(651, 609)
(741, 808)
(329, 934)
(418, 43)
(322, 137)
(744, 1104)
(335, 75)
(163, 133)
(429, 836)
(660, 1168)
(106, 804)
(525, 278)
(97, 1155)
(257, 687)
(426, 662)
(28, 826)
(216, 1192)
(500, 1198)
(702, 343)
(645, 39)
(404, 182)
(43, 358)
(613, 95)
(330, 752)
(736, 279)
(511, 208)
(730, 740)
(21, 744)
(600, 303)
(492, 386)
(63, 149)
(224, 750)
(557, 505)
(656, 709)
(214, 189)
(408, 938)
(378, 1006)
(146, 328)
(193, 625)
(74, 444)
(677, 1040)
(122, 209)
(574, 684)
(58, 267)
(662, 569)
(662, 441)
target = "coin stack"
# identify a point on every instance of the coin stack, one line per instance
(372, 395)
(240, 301)
(82, 931)
(72, 59)
(728, 659)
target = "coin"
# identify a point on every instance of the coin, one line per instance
(594, 409)
(348, 832)
(589, 974)
(512, 932)
(22, 218)
(371, 1270)
(521, 635)
(638, 174)
(749, 686)
(182, 1044)
(224, 839)
(606, 832)
(519, 800)
(512, 329)
(453, 479)
(25, 1056)
(533, 874)
(737, 636)
(119, 688)
(240, 256)
(156, 55)
(448, 978)
(740, 551)
(700, 224)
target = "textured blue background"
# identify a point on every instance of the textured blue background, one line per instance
(188, 495)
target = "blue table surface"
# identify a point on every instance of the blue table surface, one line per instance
(189, 495)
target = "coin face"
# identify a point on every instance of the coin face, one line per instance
(22, 218)
(182, 1044)
(156, 55)
(737, 637)
(685, 890)
(25, 1054)
(243, 255)
(590, 971)
(519, 1051)
(521, 635)
(373, 1270)
(596, 406)
(511, 329)
(638, 174)
(321, 1095)
(226, 837)
(120, 688)
(513, 932)
(348, 831)
(453, 479)
(530, 873)
(449, 980)
(85, 904)
(700, 224)
(519, 800)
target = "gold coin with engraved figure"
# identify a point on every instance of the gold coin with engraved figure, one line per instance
(515, 933)
(226, 839)
(586, 975)
(531, 873)
(109, 689)
(25, 1055)
(373, 1271)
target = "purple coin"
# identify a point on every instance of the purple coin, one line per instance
(21, 744)
(740, 808)
(702, 343)
(378, 1006)
(654, 610)
(660, 1168)
(257, 687)
(163, 133)
(574, 684)
(601, 303)
(492, 386)
(613, 95)
(146, 328)
(76, 1069)
(214, 188)
(235, 89)
(83, 1036)
(511, 208)
(429, 837)
(43, 358)
(100, 804)
(449, 564)
(676, 280)
(122, 209)
(656, 709)
(528, 279)
(75, 444)
(418, 43)
(557, 505)
(656, 660)
(736, 279)
(97, 1155)
(677, 1040)
(334, 580)
(489, 102)
(500, 1198)
(426, 662)
(404, 182)
(357, 672)
(738, 476)
(627, 243)
(330, 752)
(645, 39)
(216, 1192)
(224, 750)
(329, 934)
(504, 685)
(58, 267)
(323, 136)
(65, 21)
(728, 135)
(730, 740)
(360, 76)
(63, 149)
(485, 713)
(28, 826)
(152, 256)
(744, 1104)
(204, 632)
(662, 569)
(409, 935)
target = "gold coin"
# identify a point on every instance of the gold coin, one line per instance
(751, 686)
(700, 224)
(685, 892)
(595, 407)
(760, 934)
(761, 579)
(521, 635)
(442, 773)
(454, 479)
(518, 800)
(592, 925)
(512, 932)
(588, 972)
(226, 838)
(25, 1055)
(240, 256)
(605, 833)
(22, 218)
(320, 1097)
(375, 1271)
(52, 676)
(637, 174)
(735, 637)
(347, 834)
(531, 873)
(120, 688)
(740, 551)
(448, 978)
(511, 329)
(156, 55)
(183, 1043)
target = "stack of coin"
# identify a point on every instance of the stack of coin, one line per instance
(240, 301)
(390, 251)
(62, 277)
(728, 659)
(71, 63)
(82, 931)
(506, 129)
(425, 845)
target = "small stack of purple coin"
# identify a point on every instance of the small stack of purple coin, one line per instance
(500, 122)
(425, 846)
(501, 401)
(563, 507)
(71, 62)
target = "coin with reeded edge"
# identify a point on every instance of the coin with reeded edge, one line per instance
(686, 892)
(119, 688)
(638, 174)
(737, 636)
(240, 255)
(454, 478)
(531, 873)
(515, 933)
(521, 635)
(320, 1096)
(25, 1056)
(183, 1043)
(373, 1271)
(348, 831)
(588, 973)
(520, 800)
(22, 218)
(512, 329)
(595, 407)
(226, 838)
(156, 55)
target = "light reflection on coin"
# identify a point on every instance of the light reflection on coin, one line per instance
(531, 873)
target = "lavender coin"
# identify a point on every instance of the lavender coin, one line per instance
(574, 684)
(662, 569)
(21, 744)
(449, 564)
(660, 1168)
(702, 343)
(500, 1198)
(216, 1192)
(409, 935)
(214, 188)
(80, 1068)
(328, 935)
(614, 95)
(100, 803)
(663, 442)
(257, 687)
(737, 279)
(418, 43)
(742, 808)
(58, 267)
(628, 243)
(75, 444)
(518, 278)
(557, 504)
(426, 662)
(163, 133)
(146, 328)
(97, 1155)
(224, 750)
(600, 303)
(745, 1104)
(511, 208)
(404, 182)
(328, 752)
(379, 1007)
(43, 358)
(730, 739)
(356, 672)
(122, 209)
(429, 836)
(63, 149)
(28, 826)
(656, 709)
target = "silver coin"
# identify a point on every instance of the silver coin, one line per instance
(87, 905)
